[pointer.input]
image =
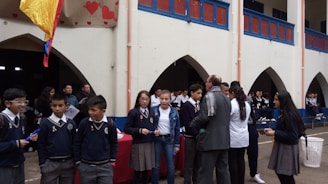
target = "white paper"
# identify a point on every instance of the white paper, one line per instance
(71, 112)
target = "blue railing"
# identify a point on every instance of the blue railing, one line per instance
(263, 26)
(206, 12)
(316, 41)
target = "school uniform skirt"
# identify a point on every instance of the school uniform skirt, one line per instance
(142, 156)
(285, 159)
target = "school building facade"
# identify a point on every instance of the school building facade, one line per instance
(268, 45)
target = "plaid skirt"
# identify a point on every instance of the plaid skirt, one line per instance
(142, 156)
(285, 159)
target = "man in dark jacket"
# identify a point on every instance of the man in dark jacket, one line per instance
(214, 138)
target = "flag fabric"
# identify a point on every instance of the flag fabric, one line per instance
(45, 14)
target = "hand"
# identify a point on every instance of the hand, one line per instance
(157, 132)
(23, 143)
(34, 137)
(113, 164)
(144, 131)
(176, 149)
(269, 132)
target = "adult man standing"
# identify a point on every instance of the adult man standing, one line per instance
(214, 138)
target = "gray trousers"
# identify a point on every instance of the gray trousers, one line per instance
(12, 175)
(214, 159)
(191, 161)
(58, 172)
(96, 174)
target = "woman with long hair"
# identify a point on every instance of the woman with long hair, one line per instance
(284, 158)
(239, 138)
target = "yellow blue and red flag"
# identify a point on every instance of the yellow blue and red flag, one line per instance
(45, 14)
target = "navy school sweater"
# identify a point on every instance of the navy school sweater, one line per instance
(11, 154)
(95, 143)
(54, 140)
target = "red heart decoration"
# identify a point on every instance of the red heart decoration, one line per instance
(107, 14)
(89, 22)
(15, 15)
(62, 22)
(105, 22)
(91, 7)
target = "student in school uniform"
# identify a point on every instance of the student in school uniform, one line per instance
(140, 124)
(12, 137)
(95, 145)
(189, 110)
(55, 144)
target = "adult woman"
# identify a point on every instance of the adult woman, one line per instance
(284, 158)
(139, 124)
(239, 138)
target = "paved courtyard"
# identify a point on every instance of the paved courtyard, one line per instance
(308, 175)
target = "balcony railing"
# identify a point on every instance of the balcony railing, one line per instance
(263, 26)
(206, 12)
(316, 41)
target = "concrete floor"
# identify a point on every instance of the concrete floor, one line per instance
(308, 175)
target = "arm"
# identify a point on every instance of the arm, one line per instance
(177, 130)
(130, 124)
(78, 141)
(113, 142)
(202, 119)
(42, 142)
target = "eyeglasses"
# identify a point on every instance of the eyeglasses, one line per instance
(20, 101)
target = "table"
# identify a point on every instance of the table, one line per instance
(122, 172)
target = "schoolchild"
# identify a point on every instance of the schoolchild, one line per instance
(55, 144)
(189, 110)
(12, 137)
(140, 124)
(167, 122)
(95, 146)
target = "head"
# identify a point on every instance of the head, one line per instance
(184, 92)
(86, 88)
(238, 93)
(258, 93)
(233, 83)
(158, 92)
(196, 91)
(97, 107)
(143, 99)
(48, 91)
(15, 100)
(225, 88)
(283, 101)
(68, 89)
(165, 98)
(59, 104)
(212, 80)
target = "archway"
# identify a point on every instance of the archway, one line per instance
(180, 75)
(21, 66)
(319, 85)
(268, 81)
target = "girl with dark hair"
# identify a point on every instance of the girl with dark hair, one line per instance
(43, 101)
(140, 124)
(239, 138)
(284, 158)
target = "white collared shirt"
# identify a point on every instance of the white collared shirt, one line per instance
(10, 114)
(55, 118)
(104, 119)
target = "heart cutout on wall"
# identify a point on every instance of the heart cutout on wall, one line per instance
(107, 14)
(91, 6)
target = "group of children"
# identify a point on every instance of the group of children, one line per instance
(61, 145)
